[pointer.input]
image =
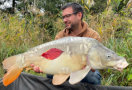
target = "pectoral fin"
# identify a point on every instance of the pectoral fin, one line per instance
(77, 76)
(59, 78)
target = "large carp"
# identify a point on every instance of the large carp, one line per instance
(68, 56)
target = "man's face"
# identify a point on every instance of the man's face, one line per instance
(70, 18)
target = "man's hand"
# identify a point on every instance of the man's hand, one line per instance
(36, 68)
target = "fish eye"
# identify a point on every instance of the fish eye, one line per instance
(108, 56)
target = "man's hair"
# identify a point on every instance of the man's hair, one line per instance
(75, 6)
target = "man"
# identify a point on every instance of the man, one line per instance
(72, 14)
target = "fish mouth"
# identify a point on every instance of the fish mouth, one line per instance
(119, 69)
(121, 66)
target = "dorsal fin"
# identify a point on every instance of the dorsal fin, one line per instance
(52, 53)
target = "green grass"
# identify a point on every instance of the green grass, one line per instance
(35, 73)
(1, 71)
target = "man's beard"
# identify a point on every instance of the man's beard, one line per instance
(72, 27)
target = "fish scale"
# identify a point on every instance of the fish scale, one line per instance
(70, 42)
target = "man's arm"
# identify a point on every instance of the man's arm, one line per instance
(96, 36)
(92, 34)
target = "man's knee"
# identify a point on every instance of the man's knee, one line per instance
(93, 78)
(49, 76)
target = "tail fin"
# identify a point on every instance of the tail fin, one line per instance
(13, 70)
(11, 75)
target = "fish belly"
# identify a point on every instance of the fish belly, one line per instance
(64, 64)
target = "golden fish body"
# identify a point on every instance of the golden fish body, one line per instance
(78, 56)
